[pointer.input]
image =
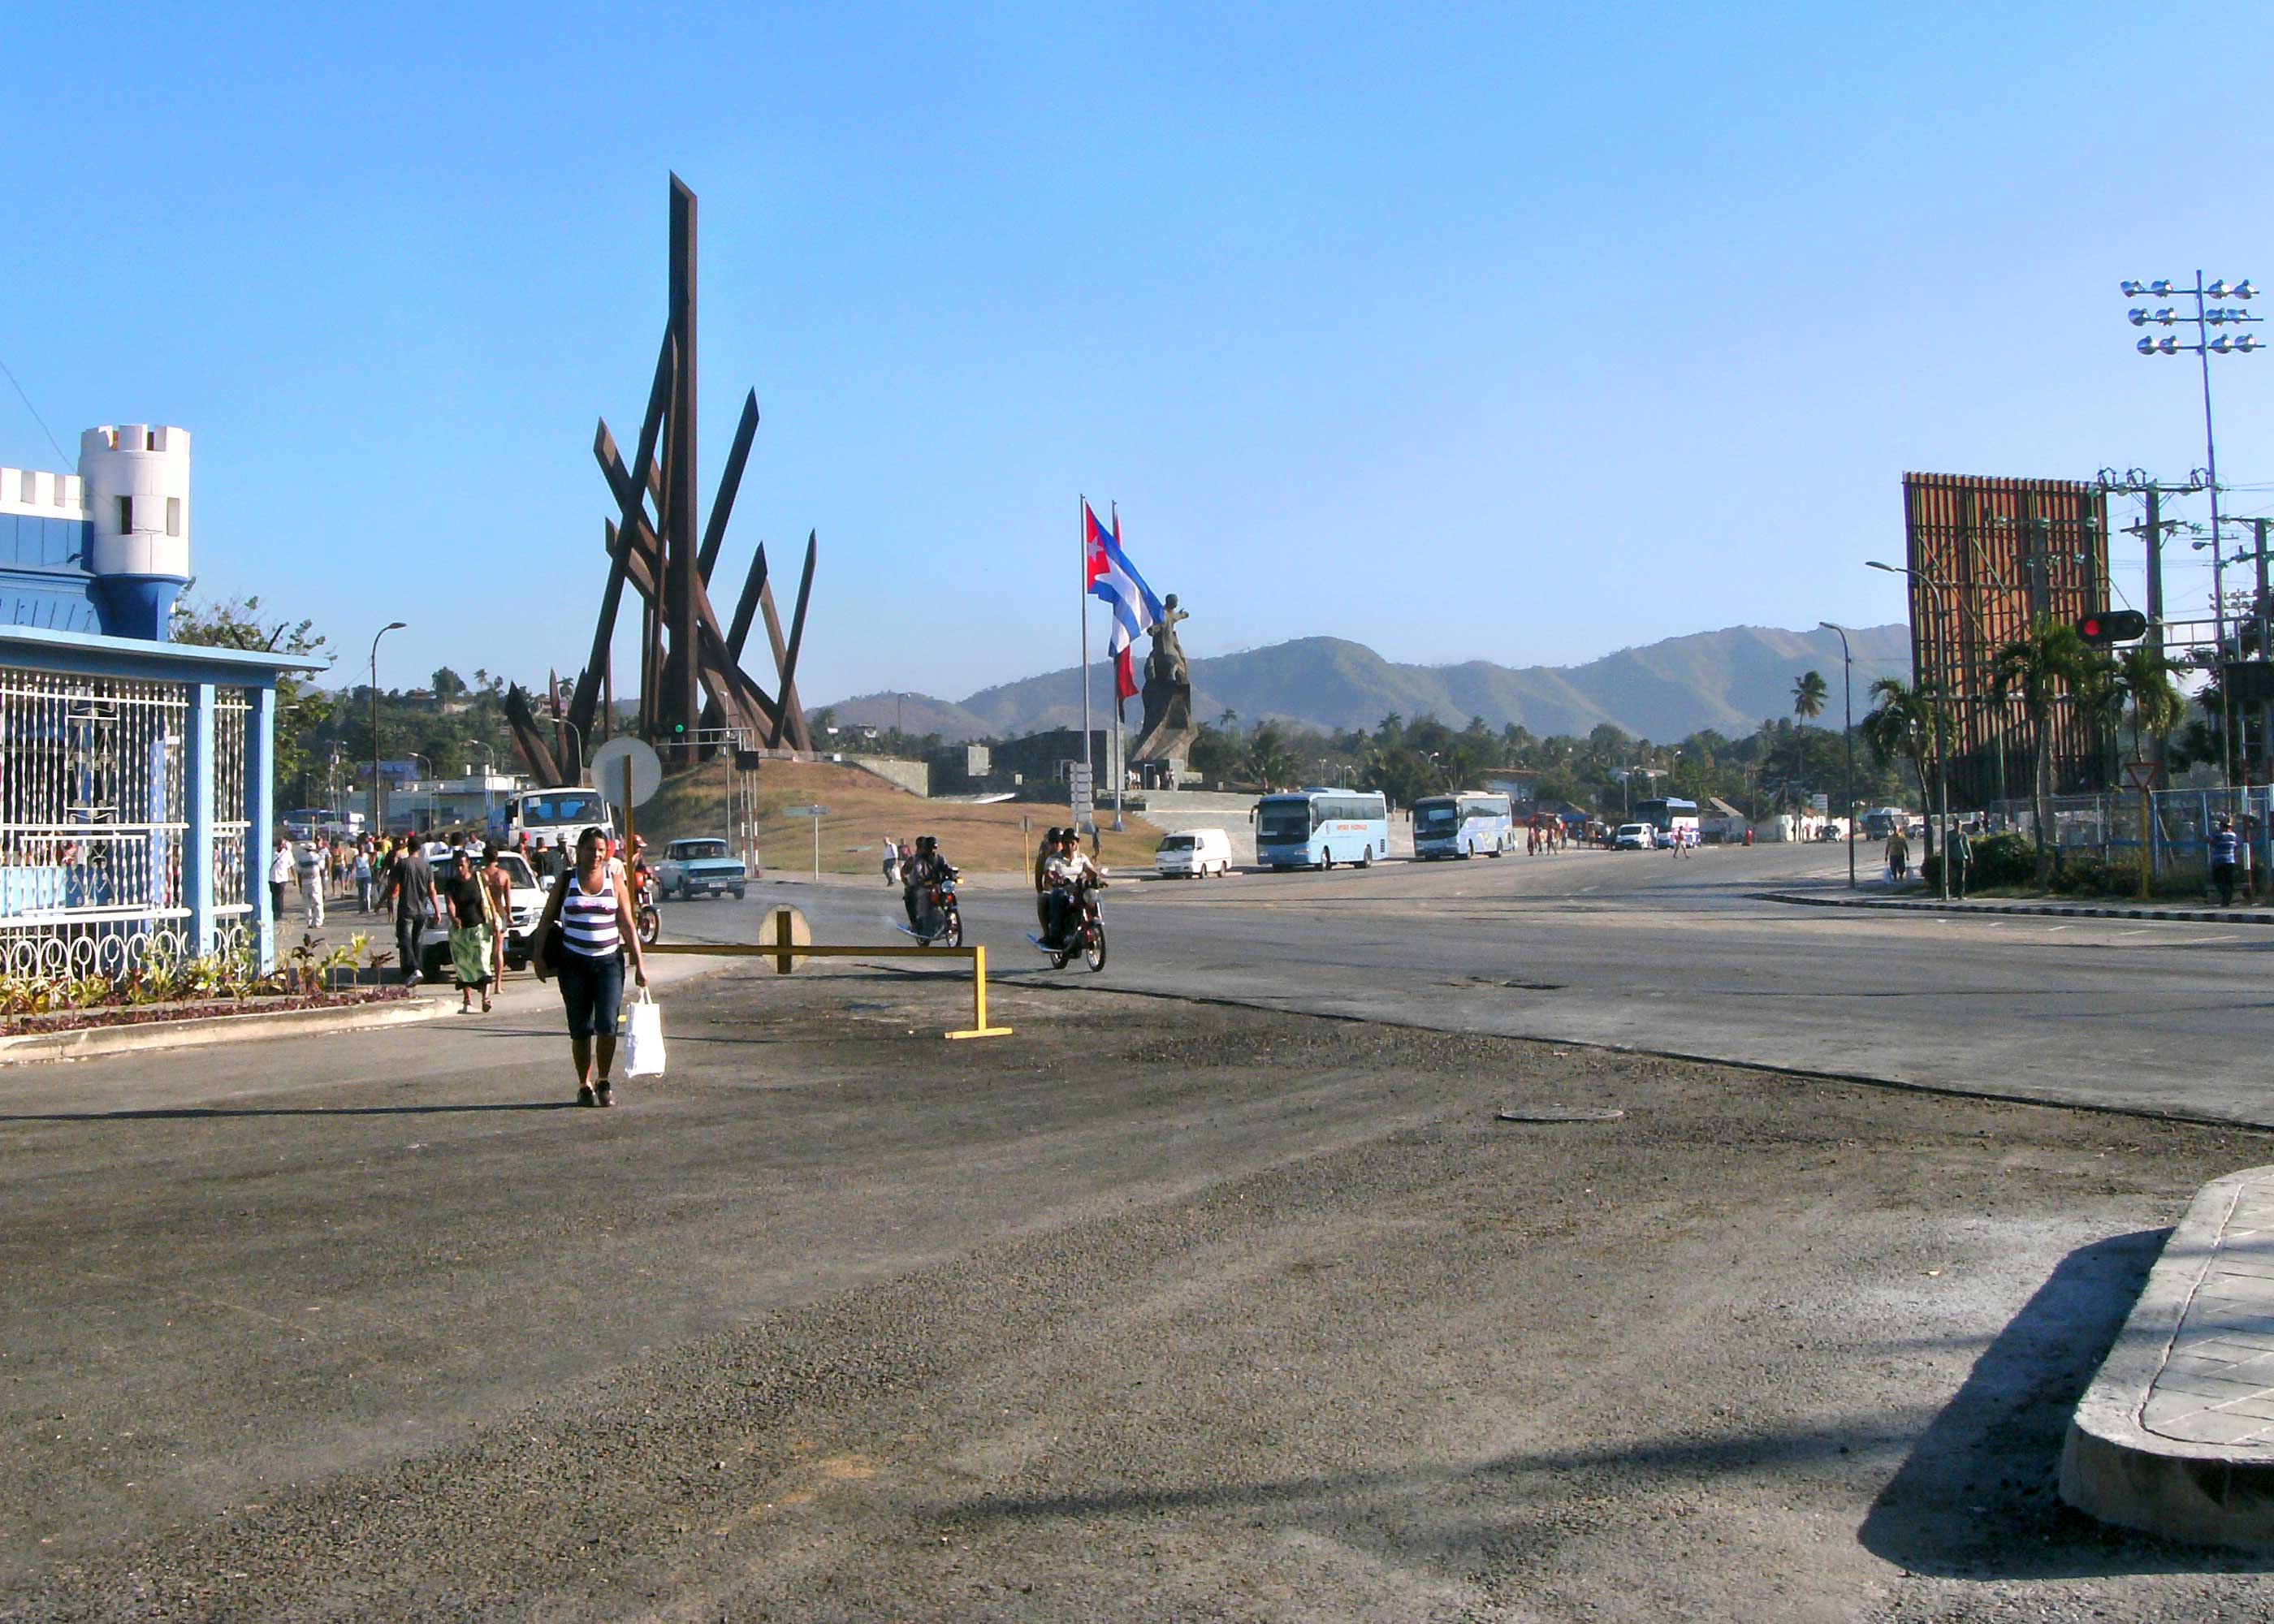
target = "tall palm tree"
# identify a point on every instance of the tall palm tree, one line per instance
(1269, 758)
(2038, 668)
(2143, 685)
(1902, 727)
(1809, 693)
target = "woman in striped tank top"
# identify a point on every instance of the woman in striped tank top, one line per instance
(596, 929)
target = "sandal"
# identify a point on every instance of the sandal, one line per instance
(485, 1005)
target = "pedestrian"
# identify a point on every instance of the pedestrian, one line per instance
(361, 870)
(280, 876)
(582, 937)
(409, 886)
(1958, 852)
(467, 898)
(1898, 857)
(2221, 848)
(310, 867)
(501, 889)
(892, 861)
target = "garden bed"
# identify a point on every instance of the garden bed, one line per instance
(103, 1015)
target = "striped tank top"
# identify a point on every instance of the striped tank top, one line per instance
(588, 923)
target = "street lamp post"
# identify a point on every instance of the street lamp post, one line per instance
(378, 800)
(1941, 755)
(1847, 736)
(489, 772)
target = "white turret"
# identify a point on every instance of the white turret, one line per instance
(137, 480)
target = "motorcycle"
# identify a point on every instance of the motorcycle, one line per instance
(645, 915)
(1087, 935)
(939, 918)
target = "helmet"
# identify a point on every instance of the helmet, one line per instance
(639, 843)
(925, 843)
(1052, 837)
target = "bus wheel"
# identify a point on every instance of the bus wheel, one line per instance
(1366, 862)
(1326, 859)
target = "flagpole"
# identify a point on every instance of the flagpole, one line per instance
(1081, 530)
(1119, 765)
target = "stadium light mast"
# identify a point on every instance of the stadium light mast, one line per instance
(2206, 317)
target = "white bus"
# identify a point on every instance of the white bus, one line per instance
(552, 817)
(1462, 826)
(1319, 828)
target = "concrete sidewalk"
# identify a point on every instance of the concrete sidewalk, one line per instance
(2179, 912)
(2176, 1434)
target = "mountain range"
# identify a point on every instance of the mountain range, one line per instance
(1728, 679)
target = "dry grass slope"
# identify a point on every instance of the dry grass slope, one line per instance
(863, 810)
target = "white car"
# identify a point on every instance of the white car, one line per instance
(1635, 837)
(1194, 854)
(526, 899)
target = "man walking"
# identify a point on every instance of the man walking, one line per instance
(410, 887)
(1958, 852)
(2221, 848)
(280, 874)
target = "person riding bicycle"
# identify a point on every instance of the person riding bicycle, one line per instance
(919, 873)
(1066, 871)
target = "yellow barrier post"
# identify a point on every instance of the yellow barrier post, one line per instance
(979, 1026)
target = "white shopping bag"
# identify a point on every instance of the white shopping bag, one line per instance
(643, 1044)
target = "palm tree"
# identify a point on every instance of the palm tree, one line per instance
(2142, 683)
(1903, 725)
(1268, 757)
(1809, 693)
(2036, 668)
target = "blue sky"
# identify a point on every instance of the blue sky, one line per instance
(1515, 332)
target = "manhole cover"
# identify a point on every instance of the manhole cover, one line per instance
(1562, 1113)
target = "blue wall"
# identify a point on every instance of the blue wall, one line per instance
(43, 577)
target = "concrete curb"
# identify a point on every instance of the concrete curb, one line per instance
(2113, 1468)
(87, 1042)
(2051, 910)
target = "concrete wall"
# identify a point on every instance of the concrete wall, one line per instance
(912, 776)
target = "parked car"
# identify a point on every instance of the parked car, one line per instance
(1635, 837)
(1194, 854)
(526, 899)
(701, 867)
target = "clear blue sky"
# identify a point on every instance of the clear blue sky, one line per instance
(1518, 333)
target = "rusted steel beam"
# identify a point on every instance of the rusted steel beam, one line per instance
(528, 739)
(789, 660)
(730, 481)
(588, 684)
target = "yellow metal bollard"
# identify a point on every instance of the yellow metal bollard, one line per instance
(979, 1026)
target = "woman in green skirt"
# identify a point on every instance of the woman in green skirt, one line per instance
(470, 923)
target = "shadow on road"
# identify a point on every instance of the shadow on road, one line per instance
(1974, 1499)
(191, 1112)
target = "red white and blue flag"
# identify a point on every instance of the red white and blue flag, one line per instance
(1135, 608)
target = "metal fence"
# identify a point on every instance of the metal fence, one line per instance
(2180, 824)
(94, 818)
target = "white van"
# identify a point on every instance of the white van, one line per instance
(1194, 854)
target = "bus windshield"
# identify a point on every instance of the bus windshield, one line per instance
(557, 807)
(1435, 816)
(1283, 821)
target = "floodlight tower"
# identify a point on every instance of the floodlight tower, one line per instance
(2207, 316)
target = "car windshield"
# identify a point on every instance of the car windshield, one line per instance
(687, 851)
(1177, 843)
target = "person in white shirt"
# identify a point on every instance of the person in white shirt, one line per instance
(310, 867)
(1062, 874)
(280, 876)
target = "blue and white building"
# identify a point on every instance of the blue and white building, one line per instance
(136, 774)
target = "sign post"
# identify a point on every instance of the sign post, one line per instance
(817, 814)
(1083, 798)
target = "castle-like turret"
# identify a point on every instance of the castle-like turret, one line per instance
(137, 483)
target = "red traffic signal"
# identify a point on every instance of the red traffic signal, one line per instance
(2112, 626)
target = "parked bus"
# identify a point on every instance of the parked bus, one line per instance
(1319, 828)
(1462, 826)
(1673, 819)
(552, 817)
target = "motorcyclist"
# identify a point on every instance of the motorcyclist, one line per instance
(1067, 870)
(919, 873)
(1042, 855)
(643, 876)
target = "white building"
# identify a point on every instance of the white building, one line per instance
(106, 549)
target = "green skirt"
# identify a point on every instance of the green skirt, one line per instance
(470, 954)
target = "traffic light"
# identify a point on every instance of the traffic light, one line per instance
(2112, 626)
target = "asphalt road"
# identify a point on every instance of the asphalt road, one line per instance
(1682, 957)
(1155, 1310)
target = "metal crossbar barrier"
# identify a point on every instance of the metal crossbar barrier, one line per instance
(782, 950)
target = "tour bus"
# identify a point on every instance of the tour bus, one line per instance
(552, 817)
(1319, 828)
(1673, 819)
(1462, 826)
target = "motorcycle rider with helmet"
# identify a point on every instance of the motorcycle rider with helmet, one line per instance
(1068, 869)
(919, 873)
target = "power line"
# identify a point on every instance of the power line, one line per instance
(34, 410)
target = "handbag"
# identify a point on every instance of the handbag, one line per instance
(643, 1042)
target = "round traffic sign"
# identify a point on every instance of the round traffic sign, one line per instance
(608, 766)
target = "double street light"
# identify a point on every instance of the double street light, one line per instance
(377, 802)
(1847, 736)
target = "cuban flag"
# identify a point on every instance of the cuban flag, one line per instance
(1135, 609)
